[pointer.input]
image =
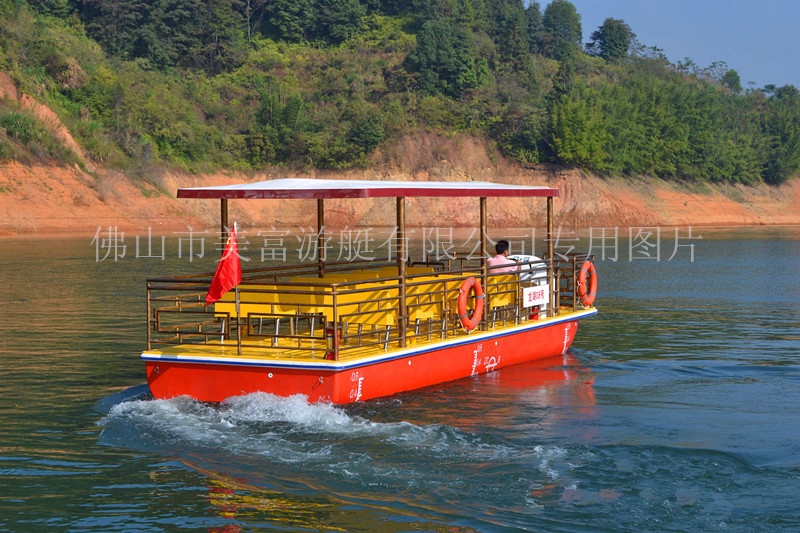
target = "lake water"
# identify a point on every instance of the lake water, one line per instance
(676, 409)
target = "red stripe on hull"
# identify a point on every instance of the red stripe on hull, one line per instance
(214, 382)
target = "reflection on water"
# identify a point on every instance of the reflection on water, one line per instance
(676, 409)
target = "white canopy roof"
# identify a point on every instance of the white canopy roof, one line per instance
(324, 188)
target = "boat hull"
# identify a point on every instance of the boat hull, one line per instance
(214, 379)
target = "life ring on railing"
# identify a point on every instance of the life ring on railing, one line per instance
(470, 322)
(587, 296)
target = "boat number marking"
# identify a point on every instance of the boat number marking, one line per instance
(475, 353)
(355, 390)
(566, 336)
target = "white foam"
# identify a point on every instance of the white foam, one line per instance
(547, 456)
(262, 407)
(288, 431)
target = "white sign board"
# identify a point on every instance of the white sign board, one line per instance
(539, 295)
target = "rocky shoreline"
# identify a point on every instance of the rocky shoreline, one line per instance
(49, 199)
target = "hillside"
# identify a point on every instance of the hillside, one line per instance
(41, 199)
(219, 85)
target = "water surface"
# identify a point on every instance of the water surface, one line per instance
(676, 409)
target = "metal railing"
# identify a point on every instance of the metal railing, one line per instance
(291, 310)
(567, 269)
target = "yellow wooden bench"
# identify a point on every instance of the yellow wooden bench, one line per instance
(252, 302)
(359, 299)
(366, 303)
(502, 293)
(425, 298)
(258, 305)
(502, 290)
(410, 271)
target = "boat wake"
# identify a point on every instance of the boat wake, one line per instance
(270, 441)
(287, 430)
(361, 455)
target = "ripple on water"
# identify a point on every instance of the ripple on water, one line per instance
(441, 472)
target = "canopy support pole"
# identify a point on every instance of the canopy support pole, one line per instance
(550, 272)
(401, 267)
(321, 236)
(484, 269)
(223, 221)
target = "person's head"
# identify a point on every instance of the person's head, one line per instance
(501, 247)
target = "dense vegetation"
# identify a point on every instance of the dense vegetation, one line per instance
(247, 84)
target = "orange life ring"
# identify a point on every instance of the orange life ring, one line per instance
(587, 296)
(470, 322)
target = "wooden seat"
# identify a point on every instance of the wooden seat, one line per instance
(410, 271)
(361, 275)
(252, 302)
(502, 293)
(256, 305)
(363, 297)
(502, 290)
(425, 303)
(425, 299)
(372, 303)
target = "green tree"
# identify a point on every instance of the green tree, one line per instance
(254, 11)
(612, 40)
(57, 8)
(203, 34)
(116, 25)
(732, 81)
(510, 31)
(313, 104)
(291, 20)
(577, 129)
(428, 10)
(366, 128)
(534, 28)
(168, 33)
(562, 32)
(337, 20)
(277, 127)
(472, 14)
(219, 32)
(445, 58)
(782, 130)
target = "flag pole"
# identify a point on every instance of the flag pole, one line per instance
(228, 276)
(236, 294)
(238, 326)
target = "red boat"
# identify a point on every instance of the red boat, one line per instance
(349, 331)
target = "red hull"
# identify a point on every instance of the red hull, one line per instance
(344, 382)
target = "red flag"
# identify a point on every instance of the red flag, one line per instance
(229, 270)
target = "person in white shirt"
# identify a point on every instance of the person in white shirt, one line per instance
(501, 259)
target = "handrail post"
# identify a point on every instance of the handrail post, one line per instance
(574, 282)
(401, 267)
(550, 278)
(335, 329)
(148, 316)
(223, 221)
(558, 276)
(238, 325)
(484, 269)
(321, 236)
